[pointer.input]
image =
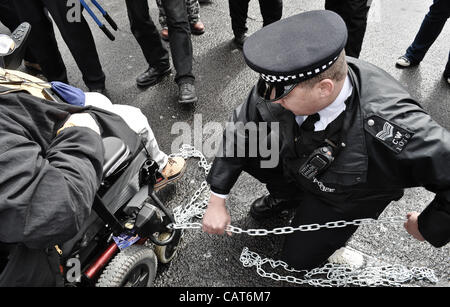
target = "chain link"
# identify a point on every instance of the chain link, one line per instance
(284, 230)
(336, 274)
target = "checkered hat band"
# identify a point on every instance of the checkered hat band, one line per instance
(299, 77)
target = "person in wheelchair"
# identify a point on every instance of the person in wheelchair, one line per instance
(52, 158)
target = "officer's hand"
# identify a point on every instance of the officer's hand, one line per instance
(216, 217)
(412, 227)
(81, 120)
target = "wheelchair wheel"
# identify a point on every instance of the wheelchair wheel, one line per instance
(166, 253)
(134, 266)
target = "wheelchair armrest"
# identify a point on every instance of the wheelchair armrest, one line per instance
(116, 153)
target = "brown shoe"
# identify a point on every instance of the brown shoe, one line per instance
(165, 34)
(173, 171)
(198, 28)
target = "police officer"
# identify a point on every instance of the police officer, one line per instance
(350, 140)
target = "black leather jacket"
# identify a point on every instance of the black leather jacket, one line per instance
(48, 181)
(391, 143)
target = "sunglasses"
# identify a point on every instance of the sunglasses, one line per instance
(271, 92)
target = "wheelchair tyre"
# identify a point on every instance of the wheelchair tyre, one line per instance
(134, 266)
(166, 253)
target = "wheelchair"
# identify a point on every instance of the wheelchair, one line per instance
(126, 209)
(125, 204)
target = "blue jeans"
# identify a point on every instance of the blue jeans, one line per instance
(430, 29)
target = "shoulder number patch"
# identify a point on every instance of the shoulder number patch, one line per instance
(388, 133)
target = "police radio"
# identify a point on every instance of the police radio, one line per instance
(317, 162)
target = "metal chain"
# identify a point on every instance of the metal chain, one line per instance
(289, 229)
(183, 214)
(336, 274)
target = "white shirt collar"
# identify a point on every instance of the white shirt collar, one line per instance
(332, 111)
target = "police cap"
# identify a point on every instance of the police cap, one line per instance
(296, 48)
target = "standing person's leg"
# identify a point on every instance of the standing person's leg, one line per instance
(79, 39)
(162, 21)
(357, 27)
(310, 249)
(146, 34)
(162, 14)
(180, 40)
(9, 18)
(430, 29)
(8, 15)
(181, 48)
(193, 10)
(271, 10)
(42, 39)
(354, 13)
(238, 14)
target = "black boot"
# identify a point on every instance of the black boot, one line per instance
(187, 94)
(239, 40)
(267, 206)
(152, 76)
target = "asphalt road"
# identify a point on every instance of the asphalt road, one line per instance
(223, 81)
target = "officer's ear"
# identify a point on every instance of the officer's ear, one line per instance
(325, 88)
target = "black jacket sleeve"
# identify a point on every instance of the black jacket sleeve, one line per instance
(427, 160)
(45, 195)
(434, 221)
(228, 164)
(424, 162)
(430, 167)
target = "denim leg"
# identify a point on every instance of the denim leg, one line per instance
(430, 29)
(180, 39)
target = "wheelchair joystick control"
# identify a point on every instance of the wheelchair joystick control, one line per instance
(153, 219)
(147, 174)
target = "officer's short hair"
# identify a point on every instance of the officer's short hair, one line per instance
(337, 72)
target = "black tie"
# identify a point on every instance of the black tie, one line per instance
(308, 124)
